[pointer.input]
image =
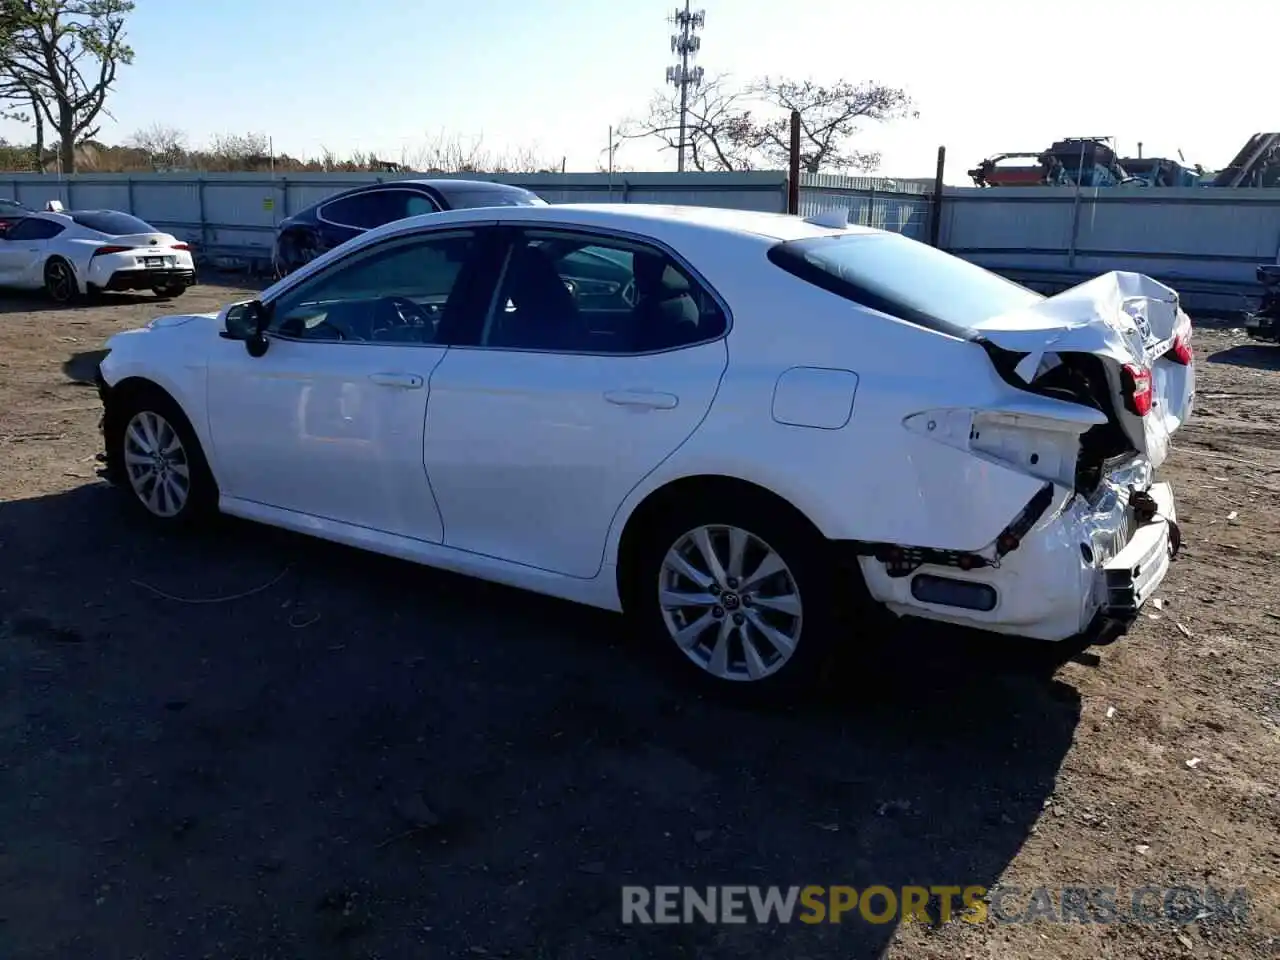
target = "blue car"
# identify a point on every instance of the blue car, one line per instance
(322, 226)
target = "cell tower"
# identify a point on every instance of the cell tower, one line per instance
(686, 44)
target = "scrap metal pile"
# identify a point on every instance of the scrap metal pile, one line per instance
(1091, 162)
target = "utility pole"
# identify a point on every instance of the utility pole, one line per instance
(686, 44)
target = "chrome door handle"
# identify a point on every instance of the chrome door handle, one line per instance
(644, 399)
(405, 381)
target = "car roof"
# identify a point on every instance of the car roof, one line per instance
(443, 184)
(640, 218)
(477, 186)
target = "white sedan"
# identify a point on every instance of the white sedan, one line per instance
(740, 428)
(81, 252)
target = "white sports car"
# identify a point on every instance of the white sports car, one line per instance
(738, 427)
(82, 252)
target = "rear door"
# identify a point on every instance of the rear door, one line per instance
(539, 426)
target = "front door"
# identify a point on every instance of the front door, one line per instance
(560, 404)
(329, 421)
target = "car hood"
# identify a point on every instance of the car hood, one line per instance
(180, 319)
(208, 321)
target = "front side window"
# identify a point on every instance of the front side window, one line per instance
(903, 278)
(578, 293)
(34, 229)
(364, 211)
(398, 292)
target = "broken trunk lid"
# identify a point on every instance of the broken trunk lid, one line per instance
(1132, 323)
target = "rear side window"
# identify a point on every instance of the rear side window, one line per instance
(111, 222)
(903, 278)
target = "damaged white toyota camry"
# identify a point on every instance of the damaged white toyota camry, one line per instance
(740, 428)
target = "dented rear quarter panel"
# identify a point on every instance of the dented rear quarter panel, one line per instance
(870, 479)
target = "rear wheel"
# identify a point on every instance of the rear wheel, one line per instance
(60, 281)
(170, 290)
(155, 457)
(739, 591)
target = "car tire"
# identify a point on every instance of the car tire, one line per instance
(60, 281)
(169, 291)
(176, 489)
(763, 639)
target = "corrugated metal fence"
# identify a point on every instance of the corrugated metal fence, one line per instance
(1206, 242)
(235, 215)
(900, 206)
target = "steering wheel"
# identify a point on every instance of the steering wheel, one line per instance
(411, 314)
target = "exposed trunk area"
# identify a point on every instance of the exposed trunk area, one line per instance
(1077, 378)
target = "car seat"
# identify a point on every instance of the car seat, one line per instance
(665, 314)
(545, 315)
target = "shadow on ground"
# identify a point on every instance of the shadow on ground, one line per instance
(249, 743)
(234, 279)
(82, 368)
(35, 301)
(1261, 356)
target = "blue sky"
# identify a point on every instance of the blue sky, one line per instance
(1000, 75)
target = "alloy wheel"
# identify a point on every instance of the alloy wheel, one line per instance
(730, 603)
(156, 463)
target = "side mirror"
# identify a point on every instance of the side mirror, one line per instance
(247, 322)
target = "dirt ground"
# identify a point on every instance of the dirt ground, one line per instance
(251, 745)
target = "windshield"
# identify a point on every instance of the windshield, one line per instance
(904, 278)
(111, 222)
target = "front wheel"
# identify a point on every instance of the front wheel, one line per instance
(743, 594)
(155, 457)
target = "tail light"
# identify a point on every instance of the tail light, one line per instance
(103, 251)
(179, 246)
(1181, 351)
(1137, 389)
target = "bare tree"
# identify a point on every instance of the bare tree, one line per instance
(829, 118)
(240, 151)
(732, 128)
(63, 55)
(452, 154)
(160, 142)
(719, 128)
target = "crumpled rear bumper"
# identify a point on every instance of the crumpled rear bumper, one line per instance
(1083, 572)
